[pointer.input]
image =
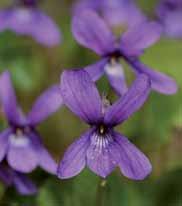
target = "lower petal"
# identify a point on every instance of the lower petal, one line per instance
(99, 155)
(133, 163)
(45, 160)
(116, 77)
(74, 159)
(22, 158)
(23, 184)
(6, 174)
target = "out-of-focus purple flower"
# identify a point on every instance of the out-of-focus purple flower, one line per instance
(19, 180)
(20, 143)
(101, 148)
(81, 5)
(26, 19)
(123, 13)
(170, 16)
(117, 13)
(92, 32)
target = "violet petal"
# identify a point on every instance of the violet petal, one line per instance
(99, 154)
(123, 108)
(159, 81)
(115, 74)
(81, 95)
(45, 160)
(49, 102)
(96, 70)
(8, 99)
(133, 163)
(140, 37)
(91, 31)
(22, 155)
(23, 184)
(74, 159)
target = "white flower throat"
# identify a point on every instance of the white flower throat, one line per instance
(114, 69)
(19, 139)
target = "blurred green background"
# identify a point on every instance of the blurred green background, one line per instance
(156, 128)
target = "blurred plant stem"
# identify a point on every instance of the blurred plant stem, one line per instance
(100, 191)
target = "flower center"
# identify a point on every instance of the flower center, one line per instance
(19, 138)
(28, 3)
(102, 129)
(114, 68)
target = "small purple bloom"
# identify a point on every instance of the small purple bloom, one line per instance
(101, 148)
(26, 19)
(20, 181)
(92, 32)
(117, 13)
(170, 16)
(124, 13)
(20, 143)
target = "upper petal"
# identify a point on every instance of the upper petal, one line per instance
(140, 37)
(74, 159)
(130, 102)
(49, 102)
(35, 23)
(96, 70)
(43, 24)
(81, 95)
(100, 157)
(159, 81)
(23, 184)
(91, 31)
(132, 162)
(8, 99)
(122, 13)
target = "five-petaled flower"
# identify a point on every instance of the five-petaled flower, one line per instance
(170, 16)
(20, 143)
(91, 31)
(19, 180)
(26, 19)
(101, 148)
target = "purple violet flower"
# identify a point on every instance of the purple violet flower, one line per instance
(117, 13)
(92, 32)
(26, 19)
(20, 181)
(170, 16)
(20, 143)
(101, 148)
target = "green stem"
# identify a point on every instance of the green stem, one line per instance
(100, 192)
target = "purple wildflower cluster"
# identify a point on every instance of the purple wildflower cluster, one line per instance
(101, 148)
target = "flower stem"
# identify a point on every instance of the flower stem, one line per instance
(100, 191)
